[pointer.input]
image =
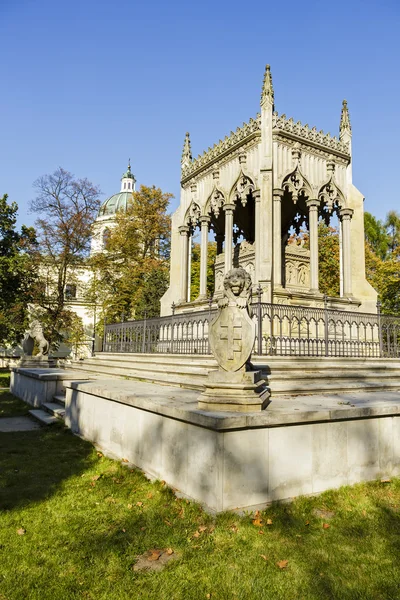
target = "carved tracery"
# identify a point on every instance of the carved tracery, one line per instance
(243, 187)
(216, 201)
(193, 215)
(296, 183)
(331, 195)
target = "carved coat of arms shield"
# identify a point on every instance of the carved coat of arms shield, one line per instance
(232, 335)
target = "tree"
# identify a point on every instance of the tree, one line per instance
(67, 208)
(328, 257)
(195, 270)
(392, 225)
(18, 273)
(376, 235)
(329, 260)
(130, 277)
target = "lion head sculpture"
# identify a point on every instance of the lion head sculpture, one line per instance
(237, 288)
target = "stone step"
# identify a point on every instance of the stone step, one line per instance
(278, 362)
(59, 399)
(54, 409)
(43, 417)
(160, 367)
(192, 381)
(285, 375)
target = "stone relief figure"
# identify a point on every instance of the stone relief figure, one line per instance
(237, 289)
(250, 269)
(35, 333)
(302, 274)
(219, 278)
(290, 273)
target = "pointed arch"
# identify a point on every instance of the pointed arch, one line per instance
(295, 182)
(192, 215)
(331, 194)
(215, 202)
(241, 189)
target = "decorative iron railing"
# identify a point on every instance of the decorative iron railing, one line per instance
(282, 330)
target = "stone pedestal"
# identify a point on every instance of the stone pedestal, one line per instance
(36, 362)
(239, 391)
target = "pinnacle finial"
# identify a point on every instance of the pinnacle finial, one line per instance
(345, 119)
(129, 165)
(267, 92)
(187, 151)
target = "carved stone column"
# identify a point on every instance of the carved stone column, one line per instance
(277, 217)
(184, 231)
(313, 231)
(345, 217)
(219, 238)
(228, 209)
(205, 221)
(257, 233)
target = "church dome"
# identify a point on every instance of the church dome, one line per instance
(115, 203)
(120, 200)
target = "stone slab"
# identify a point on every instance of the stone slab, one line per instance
(11, 424)
(181, 404)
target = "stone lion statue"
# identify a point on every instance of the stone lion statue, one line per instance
(237, 289)
(35, 333)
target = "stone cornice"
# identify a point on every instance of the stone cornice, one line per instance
(285, 128)
(303, 133)
(227, 146)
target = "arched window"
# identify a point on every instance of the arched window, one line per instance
(106, 237)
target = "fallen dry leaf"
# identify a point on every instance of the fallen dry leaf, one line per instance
(202, 528)
(196, 534)
(125, 460)
(154, 554)
(154, 559)
(139, 503)
(258, 522)
(95, 477)
(264, 557)
(232, 528)
(99, 454)
(21, 531)
(167, 523)
(261, 532)
(386, 480)
(123, 530)
(130, 506)
(325, 525)
(143, 529)
(149, 495)
(282, 564)
(269, 521)
(212, 529)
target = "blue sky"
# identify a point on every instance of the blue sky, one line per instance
(87, 84)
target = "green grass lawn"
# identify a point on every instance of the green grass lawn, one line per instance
(73, 523)
(4, 378)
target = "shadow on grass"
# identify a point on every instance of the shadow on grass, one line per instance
(34, 464)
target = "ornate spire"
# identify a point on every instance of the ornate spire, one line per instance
(267, 92)
(187, 151)
(344, 119)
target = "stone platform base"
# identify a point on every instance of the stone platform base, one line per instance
(240, 391)
(296, 446)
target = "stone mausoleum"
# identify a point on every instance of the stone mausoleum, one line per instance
(268, 179)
